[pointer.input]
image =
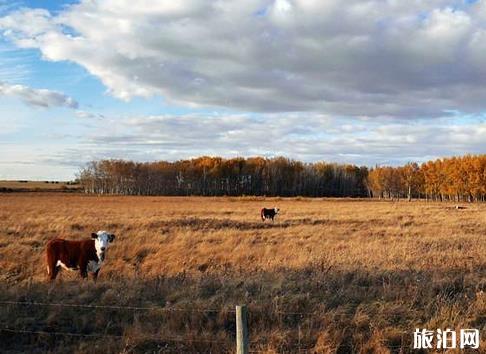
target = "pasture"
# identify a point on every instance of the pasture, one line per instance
(37, 186)
(328, 276)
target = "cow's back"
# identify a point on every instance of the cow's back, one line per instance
(67, 251)
(269, 212)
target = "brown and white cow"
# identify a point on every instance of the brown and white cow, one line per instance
(269, 213)
(84, 255)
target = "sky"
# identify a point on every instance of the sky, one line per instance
(368, 82)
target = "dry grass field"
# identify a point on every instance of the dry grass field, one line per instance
(37, 186)
(328, 276)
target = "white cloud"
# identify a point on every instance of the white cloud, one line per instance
(37, 97)
(308, 137)
(304, 136)
(89, 115)
(32, 162)
(372, 58)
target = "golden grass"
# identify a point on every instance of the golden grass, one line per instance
(364, 274)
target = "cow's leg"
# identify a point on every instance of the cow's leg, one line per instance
(95, 275)
(83, 269)
(52, 271)
(52, 268)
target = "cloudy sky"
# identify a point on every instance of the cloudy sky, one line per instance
(360, 81)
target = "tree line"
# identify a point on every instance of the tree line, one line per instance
(447, 179)
(215, 176)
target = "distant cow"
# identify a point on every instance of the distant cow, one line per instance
(269, 213)
(84, 255)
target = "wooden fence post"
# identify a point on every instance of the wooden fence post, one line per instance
(241, 330)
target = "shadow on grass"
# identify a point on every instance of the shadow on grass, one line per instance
(206, 224)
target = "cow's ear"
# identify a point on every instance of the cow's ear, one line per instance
(112, 237)
(94, 235)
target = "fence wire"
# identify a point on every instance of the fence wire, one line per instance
(145, 308)
(94, 335)
(178, 339)
(117, 307)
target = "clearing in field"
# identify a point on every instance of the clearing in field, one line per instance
(326, 276)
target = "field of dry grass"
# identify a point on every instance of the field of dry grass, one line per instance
(328, 276)
(37, 186)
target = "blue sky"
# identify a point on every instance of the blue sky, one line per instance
(366, 83)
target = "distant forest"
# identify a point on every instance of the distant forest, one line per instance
(454, 179)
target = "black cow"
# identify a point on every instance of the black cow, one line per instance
(269, 213)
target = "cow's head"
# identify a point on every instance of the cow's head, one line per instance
(276, 210)
(102, 241)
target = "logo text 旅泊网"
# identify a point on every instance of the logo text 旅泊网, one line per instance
(446, 339)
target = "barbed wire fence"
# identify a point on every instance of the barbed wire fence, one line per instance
(249, 345)
(241, 325)
(30, 266)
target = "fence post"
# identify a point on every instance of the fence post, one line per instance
(241, 330)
